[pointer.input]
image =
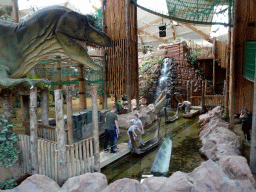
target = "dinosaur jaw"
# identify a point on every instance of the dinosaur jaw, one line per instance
(76, 50)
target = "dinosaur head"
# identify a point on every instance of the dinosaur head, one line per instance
(73, 32)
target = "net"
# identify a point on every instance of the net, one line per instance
(207, 12)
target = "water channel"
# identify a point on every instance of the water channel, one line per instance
(185, 152)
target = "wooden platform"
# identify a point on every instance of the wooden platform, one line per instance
(107, 158)
(196, 107)
(190, 114)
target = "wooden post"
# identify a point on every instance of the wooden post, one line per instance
(61, 136)
(136, 51)
(128, 66)
(205, 89)
(15, 11)
(45, 119)
(59, 70)
(69, 115)
(253, 135)
(213, 65)
(187, 90)
(203, 94)
(25, 112)
(105, 100)
(82, 100)
(228, 66)
(191, 89)
(232, 71)
(33, 131)
(96, 145)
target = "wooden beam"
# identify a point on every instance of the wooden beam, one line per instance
(142, 42)
(155, 37)
(149, 24)
(15, 11)
(69, 115)
(128, 60)
(96, 143)
(196, 30)
(33, 131)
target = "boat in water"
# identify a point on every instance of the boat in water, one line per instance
(151, 143)
(171, 119)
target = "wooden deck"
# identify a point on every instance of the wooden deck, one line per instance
(196, 107)
(190, 114)
(107, 158)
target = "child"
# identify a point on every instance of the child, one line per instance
(186, 104)
(139, 125)
(133, 128)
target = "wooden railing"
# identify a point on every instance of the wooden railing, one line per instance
(210, 101)
(79, 156)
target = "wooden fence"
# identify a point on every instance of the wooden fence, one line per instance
(210, 101)
(79, 157)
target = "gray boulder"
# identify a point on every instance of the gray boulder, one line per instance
(124, 185)
(86, 183)
(236, 167)
(153, 184)
(177, 182)
(36, 183)
(219, 142)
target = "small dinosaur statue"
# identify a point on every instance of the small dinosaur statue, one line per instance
(52, 30)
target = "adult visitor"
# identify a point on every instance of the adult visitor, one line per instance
(110, 121)
(246, 123)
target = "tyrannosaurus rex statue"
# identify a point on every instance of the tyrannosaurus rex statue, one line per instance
(52, 30)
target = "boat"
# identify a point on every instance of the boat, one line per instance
(163, 157)
(148, 144)
(160, 102)
(191, 113)
(171, 119)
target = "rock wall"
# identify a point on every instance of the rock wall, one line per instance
(225, 170)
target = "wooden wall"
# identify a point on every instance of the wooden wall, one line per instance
(116, 56)
(221, 54)
(246, 13)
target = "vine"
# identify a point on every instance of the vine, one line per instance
(8, 144)
(8, 183)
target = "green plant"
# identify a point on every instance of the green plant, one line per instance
(41, 83)
(119, 105)
(8, 144)
(8, 183)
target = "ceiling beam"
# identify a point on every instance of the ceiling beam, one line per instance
(149, 24)
(155, 37)
(196, 30)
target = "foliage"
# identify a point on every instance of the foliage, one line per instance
(160, 59)
(8, 183)
(119, 105)
(5, 13)
(41, 83)
(8, 144)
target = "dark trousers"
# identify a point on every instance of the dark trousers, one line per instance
(246, 129)
(109, 135)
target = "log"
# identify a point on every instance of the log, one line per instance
(82, 100)
(45, 118)
(69, 115)
(96, 145)
(15, 11)
(128, 90)
(61, 136)
(33, 131)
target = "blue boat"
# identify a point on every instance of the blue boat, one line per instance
(163, 157)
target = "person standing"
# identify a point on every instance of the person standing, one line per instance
(110, 121)
(245, 123)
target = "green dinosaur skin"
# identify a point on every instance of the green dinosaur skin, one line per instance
(50, 31)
